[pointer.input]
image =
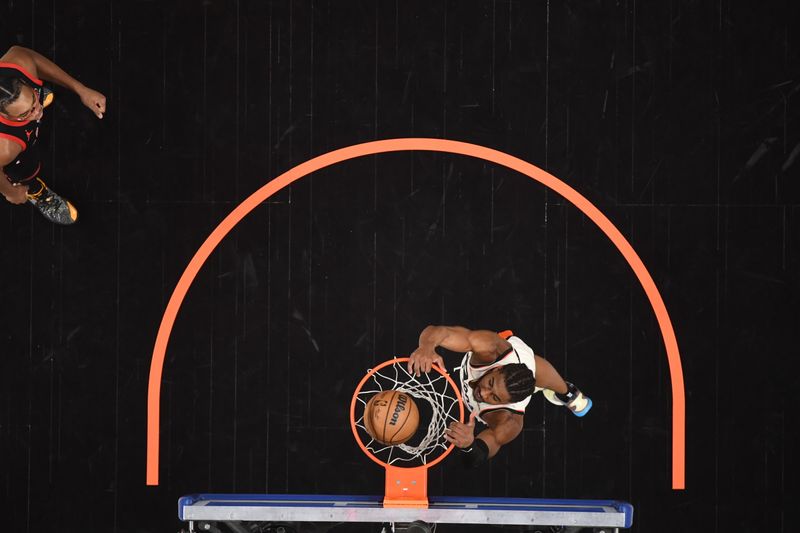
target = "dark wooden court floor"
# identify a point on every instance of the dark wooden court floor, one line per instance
(679, 120)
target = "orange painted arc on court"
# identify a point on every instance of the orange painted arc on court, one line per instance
(434, 145)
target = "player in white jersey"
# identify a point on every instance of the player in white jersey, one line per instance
(499, 374)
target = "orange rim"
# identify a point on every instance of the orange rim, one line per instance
(353, 402)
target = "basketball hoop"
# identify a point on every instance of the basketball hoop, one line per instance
(407, 464)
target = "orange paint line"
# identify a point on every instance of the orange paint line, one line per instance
(436, 145)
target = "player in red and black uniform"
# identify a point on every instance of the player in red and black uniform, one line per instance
(23, 98)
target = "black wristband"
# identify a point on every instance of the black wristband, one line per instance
(476, 455)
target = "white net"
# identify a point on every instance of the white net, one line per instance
(432, 388)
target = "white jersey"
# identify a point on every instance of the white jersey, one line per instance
(519, 353)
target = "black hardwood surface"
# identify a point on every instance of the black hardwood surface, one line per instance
(678, 119)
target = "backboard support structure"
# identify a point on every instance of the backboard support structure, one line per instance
(407, 485)
(293, 508)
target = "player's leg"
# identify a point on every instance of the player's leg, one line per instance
(54, 208)
(558, 391)
(547, 377)
(25, 171)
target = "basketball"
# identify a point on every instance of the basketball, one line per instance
(391, 417)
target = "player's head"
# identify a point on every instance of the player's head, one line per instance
(505, 384)
(519, 381)
(18, 101)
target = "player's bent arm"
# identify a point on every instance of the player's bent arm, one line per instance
(41, 67)
(38, 65)
(424, 357)
(453, 338)
(504, 426)
(8, 152)
(6, 188)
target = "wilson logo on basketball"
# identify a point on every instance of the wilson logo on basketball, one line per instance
(402, 400)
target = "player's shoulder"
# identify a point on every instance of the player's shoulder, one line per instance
(488, 346)
(22, 57)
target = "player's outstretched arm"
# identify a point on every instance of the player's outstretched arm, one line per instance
(16, 194)
(41, 67)
(485, 345)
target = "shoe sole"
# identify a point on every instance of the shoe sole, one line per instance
(585, 410)
(551, 397)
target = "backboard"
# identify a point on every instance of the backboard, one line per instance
(440, 510)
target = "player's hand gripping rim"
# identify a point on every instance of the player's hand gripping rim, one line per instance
(421, 361)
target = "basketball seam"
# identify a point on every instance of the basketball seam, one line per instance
(367, 415)
(386, 418)
(408, 415)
